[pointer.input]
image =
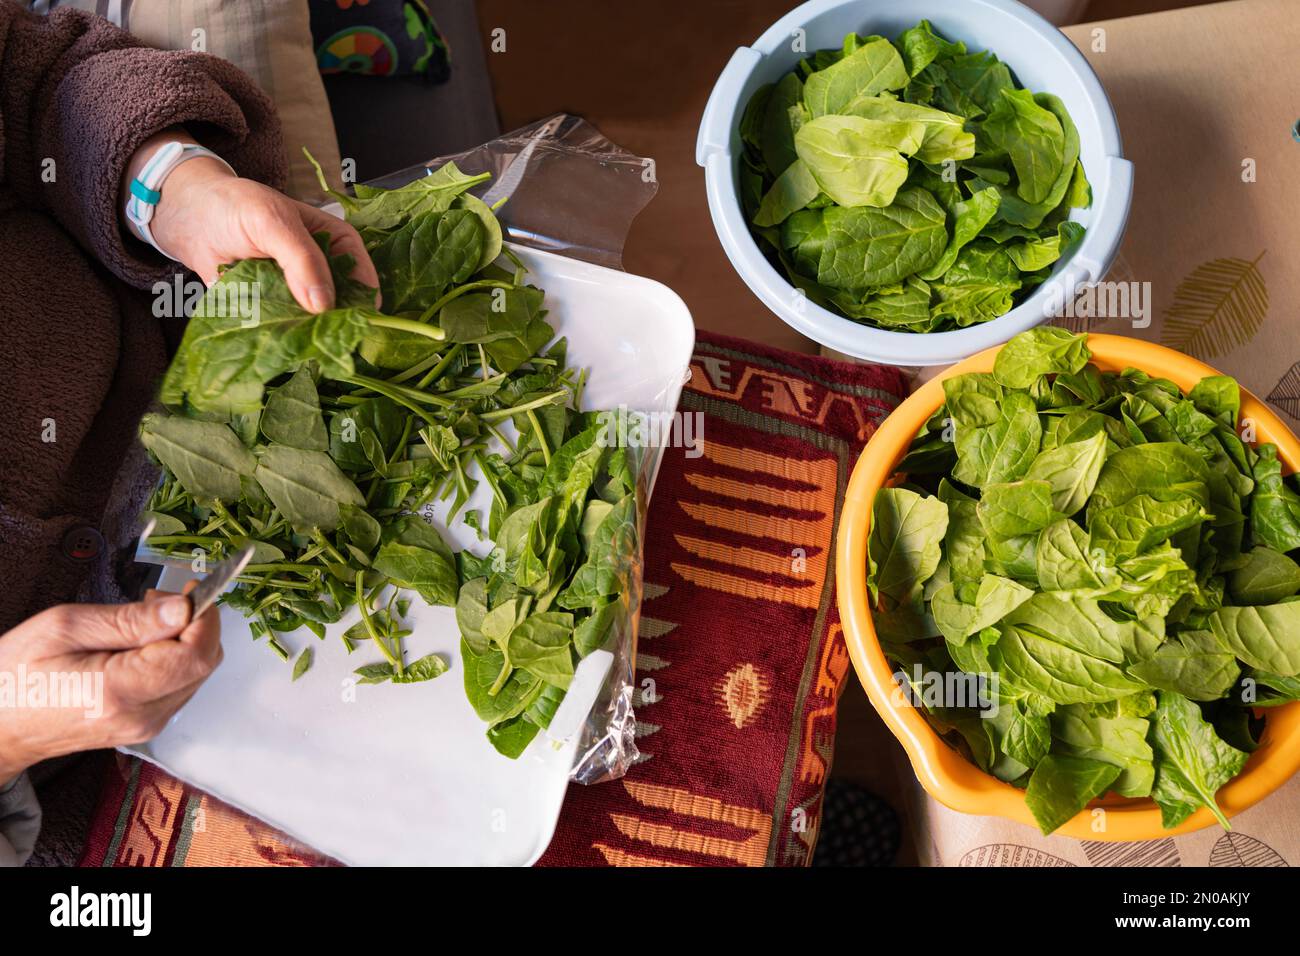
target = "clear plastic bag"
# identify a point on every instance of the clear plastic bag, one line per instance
(568, 189)
(571, 191)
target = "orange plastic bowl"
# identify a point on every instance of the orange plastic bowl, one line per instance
(948, 776)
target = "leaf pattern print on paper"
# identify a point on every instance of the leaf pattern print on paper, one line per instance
(1237, 849)
(1286, 393)
(1218, 308)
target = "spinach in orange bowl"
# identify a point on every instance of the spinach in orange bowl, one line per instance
(1098, 534)
(911, 184)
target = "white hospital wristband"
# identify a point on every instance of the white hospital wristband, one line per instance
(146, 189)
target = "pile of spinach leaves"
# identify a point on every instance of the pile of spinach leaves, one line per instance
(1115, 555)
(910, 185)
(318, 438)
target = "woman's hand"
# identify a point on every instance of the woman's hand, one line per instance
(209, 217)
(136, 665)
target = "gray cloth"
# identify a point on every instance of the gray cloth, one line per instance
(68, 789)
(20, 821)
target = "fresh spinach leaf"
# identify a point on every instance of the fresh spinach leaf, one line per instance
(205, 457)
(1265, 577)
(944, 135)
(1120, 740)
(855, 161)
(303, 664)
(995, 599)
(1032, 137)
(793, 190)
(1264, 636)
(868, 247)
(1192, 763)
(306, 486)
(1045, 350)
(413, 555)
(1102, 561)
(997, 450)
(872, 68)
(512, 737)
(292, 414)
(1061, 787)
(422, 259)
(970, 216)
(1193, 665)
(1071, 471)
(904, 546)
(1275, 507)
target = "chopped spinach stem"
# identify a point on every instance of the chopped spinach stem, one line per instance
(408, 325)
(392, 394)
(363, 602)
(256, 588)
(312, 569)
(491, 480)
(440, 369)
(311, 553)
(499, 436)
(406, 433)
(396, 392)
(578, 389)
(213, 524)
(267, 601)
(504, 413)
(228, 518)
(520, 269)
(541, 435)
(457, 292)
(327, 547)
(419, 368)
(154, 539)
(277, 582)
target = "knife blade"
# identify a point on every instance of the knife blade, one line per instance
(211, 587)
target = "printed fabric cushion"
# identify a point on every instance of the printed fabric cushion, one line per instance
(379, 38)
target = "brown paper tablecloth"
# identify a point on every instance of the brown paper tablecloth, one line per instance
(1265, 835)
(1207, 105)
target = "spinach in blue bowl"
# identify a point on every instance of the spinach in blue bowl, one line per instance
(910, 184)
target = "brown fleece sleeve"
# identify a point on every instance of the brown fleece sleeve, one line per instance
(78, 96)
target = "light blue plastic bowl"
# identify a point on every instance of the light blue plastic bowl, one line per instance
(1041, 58)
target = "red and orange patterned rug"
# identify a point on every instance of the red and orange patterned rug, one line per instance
(740, 657)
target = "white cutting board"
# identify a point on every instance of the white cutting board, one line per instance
(403, 775)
